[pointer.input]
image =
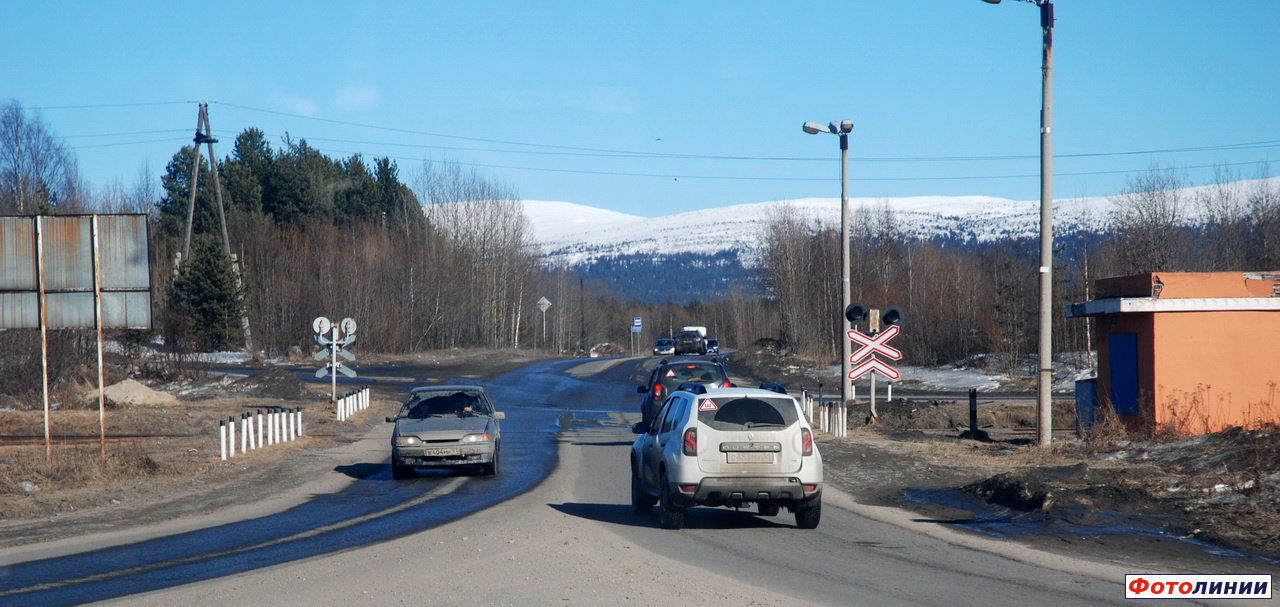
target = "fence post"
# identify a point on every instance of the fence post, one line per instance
(973, 413)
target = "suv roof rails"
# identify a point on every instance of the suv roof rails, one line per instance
(693, 387)
(773, 386)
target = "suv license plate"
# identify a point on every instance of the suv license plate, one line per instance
(441, 452)
(750, 458)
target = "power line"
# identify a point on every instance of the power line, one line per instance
(611, 153)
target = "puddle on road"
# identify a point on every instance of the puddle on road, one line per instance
(1008, 524)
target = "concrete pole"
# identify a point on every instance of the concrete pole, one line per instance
(1045, 384)
(845, 344)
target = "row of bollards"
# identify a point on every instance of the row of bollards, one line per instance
(260, 429)
(831, 417)
(351, 402)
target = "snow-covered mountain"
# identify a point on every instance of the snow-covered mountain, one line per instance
(574, 234)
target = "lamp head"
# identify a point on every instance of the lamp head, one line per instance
(846, 126)
(813, 128)
(992, 1)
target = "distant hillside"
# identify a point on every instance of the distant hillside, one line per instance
(701, 253)
(679, 277)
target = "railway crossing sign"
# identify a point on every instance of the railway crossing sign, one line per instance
(869, 346)
(873, 364)
(875, 344)
(326, 334)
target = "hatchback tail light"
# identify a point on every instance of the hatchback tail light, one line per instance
(691, 441)
(806, 442)
(726, 384)
(657, 393)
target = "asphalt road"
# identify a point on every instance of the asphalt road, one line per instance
(554, 528)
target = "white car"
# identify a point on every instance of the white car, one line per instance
(726, 447)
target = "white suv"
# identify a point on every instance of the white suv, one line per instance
(726, 447)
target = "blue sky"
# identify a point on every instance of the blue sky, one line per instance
(653, 108)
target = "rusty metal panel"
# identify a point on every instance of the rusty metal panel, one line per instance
(69, 273)
(19, 310)
(17, 254)
(126, 310)
(68, 253)
(72, 310)
(122, 251)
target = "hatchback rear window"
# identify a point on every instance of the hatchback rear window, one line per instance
(745, 413)
(675, 375)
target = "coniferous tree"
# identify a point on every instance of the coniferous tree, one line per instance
(206, 298)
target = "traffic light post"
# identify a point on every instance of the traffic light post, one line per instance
(875, 341)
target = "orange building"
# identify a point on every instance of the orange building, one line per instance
(1198, 352)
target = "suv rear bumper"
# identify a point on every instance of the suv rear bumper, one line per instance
(729, 491)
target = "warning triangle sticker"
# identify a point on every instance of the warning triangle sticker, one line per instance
(671, 373)
(708, 405)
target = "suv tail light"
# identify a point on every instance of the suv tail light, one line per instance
(726, 384)
(657, 393)
(691, 441)
(806, 442)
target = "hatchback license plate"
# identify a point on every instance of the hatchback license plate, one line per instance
(750, 458)
(441, 452)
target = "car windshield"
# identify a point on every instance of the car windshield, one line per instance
(747, 412)
(675, 375)
(430, 404)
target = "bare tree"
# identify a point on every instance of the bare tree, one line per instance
(1149, 222)
(1264, 222)
(1226, 223)
(37, 174)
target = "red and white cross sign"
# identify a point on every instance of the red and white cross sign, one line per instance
(874, 344)
(873, 364)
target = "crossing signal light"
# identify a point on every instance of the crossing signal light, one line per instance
(855, 313)
(892, 316)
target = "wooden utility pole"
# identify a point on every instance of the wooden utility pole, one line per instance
(204, 135)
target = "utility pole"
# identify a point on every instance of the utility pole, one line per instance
(204, 135)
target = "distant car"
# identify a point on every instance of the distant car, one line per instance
(690, 342)
(669, 374)
(446, 427)
(664, 346)
(727, 447)
(713, 346)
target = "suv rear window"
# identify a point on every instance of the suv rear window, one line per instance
(744, 413)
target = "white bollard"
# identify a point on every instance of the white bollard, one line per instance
(260, 436)
(222, 438)
(293, 430)
(244, 433)
(231, 437)
(248, 429)
(271, 427)
(299, 421)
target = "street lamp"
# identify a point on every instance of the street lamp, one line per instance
(1044, 385)
(842, 129)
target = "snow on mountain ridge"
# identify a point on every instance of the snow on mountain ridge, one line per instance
(569, 233)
